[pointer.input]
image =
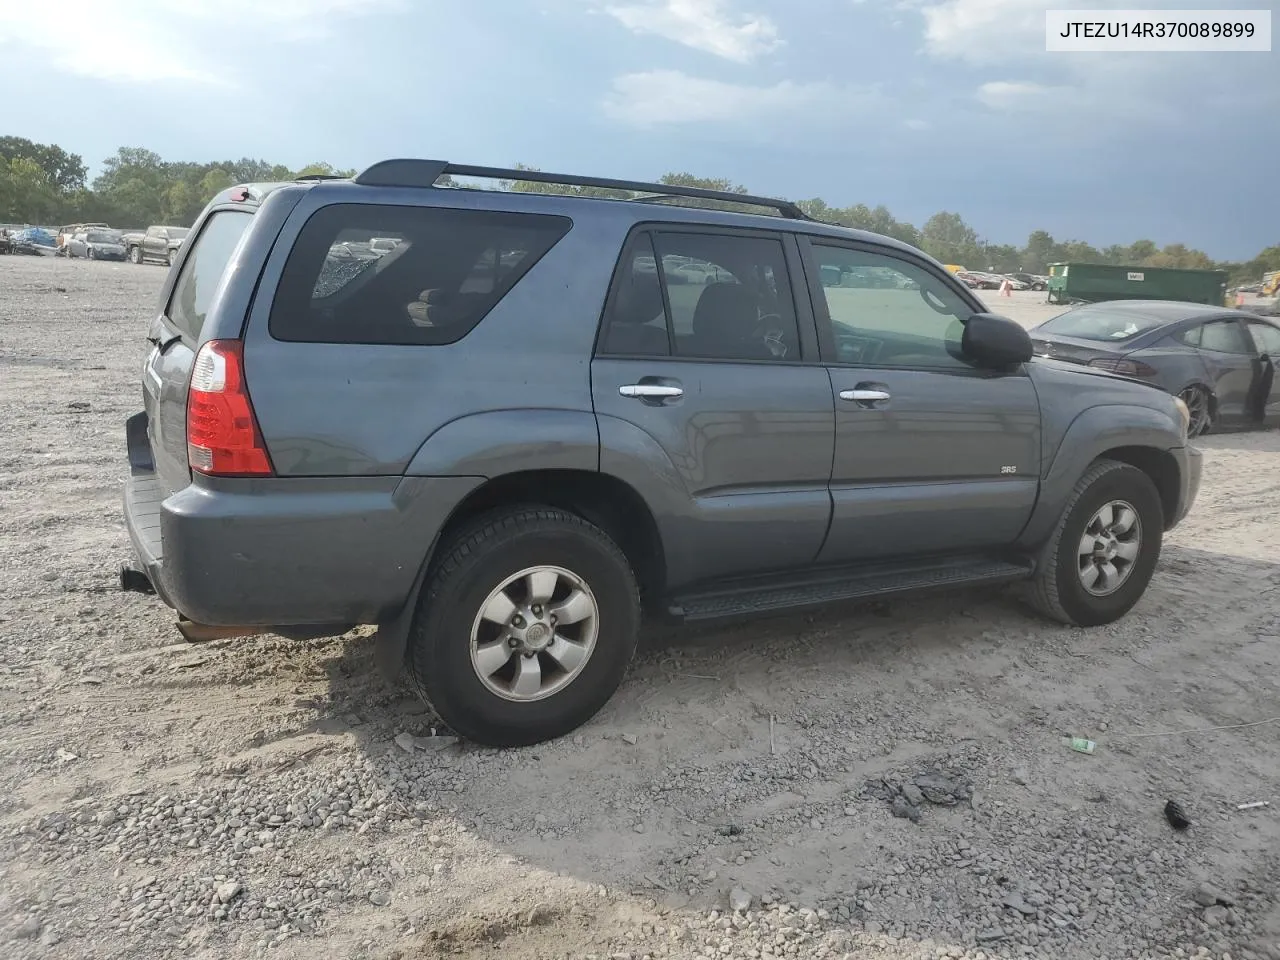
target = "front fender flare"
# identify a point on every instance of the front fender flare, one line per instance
(1093, 432)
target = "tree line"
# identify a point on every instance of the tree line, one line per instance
(45, 184)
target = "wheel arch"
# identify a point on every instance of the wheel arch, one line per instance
(599, 498)
(1160, 465)
(1140, 436)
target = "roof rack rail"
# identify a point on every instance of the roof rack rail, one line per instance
(321, 176)
(425, 173)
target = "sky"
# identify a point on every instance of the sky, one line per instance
(921, 105)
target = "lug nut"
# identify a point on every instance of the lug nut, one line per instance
(513, 642)
(517, 621)
(537, 609)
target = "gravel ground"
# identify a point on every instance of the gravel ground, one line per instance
(881, 782)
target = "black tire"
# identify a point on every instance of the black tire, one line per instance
(1057, 590)
(474, 564)
(88, 253)
(135, 255)
(1198, 398)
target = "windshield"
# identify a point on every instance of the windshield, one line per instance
(1087, 323)
(99, 236)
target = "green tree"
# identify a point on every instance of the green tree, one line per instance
(321, 170)
(27, 193)
(64, 171)
(1040, 251)
(946, 237)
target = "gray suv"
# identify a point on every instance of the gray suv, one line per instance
(498, 424)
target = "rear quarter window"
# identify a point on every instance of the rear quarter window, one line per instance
(203, 268)
(363, 273)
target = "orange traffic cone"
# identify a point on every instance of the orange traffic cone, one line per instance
(1239, 299)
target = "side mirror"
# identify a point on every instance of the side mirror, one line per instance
(996, 342)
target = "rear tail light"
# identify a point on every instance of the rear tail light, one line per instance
(223, 439)
(1129, 368)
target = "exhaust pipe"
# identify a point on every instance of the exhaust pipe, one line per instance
(133, 580)
(194, 632)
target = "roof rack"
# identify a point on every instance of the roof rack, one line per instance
(425, 173)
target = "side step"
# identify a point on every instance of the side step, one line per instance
(820, 586)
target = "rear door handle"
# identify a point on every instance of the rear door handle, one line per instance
(651, 391)
(864, 395)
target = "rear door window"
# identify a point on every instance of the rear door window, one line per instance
(364, 273)
(729, 296)
(203, 268)
(1225, 336)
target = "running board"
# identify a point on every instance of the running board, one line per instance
(818, 587)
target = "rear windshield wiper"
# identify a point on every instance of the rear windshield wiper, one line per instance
(164, 344)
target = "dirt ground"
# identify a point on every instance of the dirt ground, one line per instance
(249, 798)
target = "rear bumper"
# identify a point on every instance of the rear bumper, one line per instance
(287, 551)
(1190, 466)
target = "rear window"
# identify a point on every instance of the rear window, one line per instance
(1087, 323)
(203, 268)
(361, 273)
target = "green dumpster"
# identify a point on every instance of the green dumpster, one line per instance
(1089, 282)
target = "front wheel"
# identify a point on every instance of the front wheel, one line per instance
(135, 254)
(525, 627)
(1101, 556)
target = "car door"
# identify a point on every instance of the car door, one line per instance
(1232, 367)
(932, 454)
(1266, 397)
(711, 402)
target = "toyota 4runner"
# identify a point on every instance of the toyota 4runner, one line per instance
(495, 423)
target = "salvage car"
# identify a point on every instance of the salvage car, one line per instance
(508, 436)
(97, 245)
(35, 241)
(1220, 362)
(157, 243)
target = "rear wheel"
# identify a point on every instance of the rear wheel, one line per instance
(1198, 405)
(135, 254)
(525, 628)
(1100, 558)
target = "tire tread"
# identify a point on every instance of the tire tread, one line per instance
(1044, 584)
(487, 532)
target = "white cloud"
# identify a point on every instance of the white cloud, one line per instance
(706, 25)
(671, 97)
(161, 42)
(1013, 94)
(916, 124)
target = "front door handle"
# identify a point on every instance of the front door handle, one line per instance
(864, 395)
(651, 391)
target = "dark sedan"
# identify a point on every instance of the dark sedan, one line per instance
(1222, 363)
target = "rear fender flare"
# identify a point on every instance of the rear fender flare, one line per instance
(1093, 432)
(497, 442)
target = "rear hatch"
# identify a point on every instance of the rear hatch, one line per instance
(175, 336)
